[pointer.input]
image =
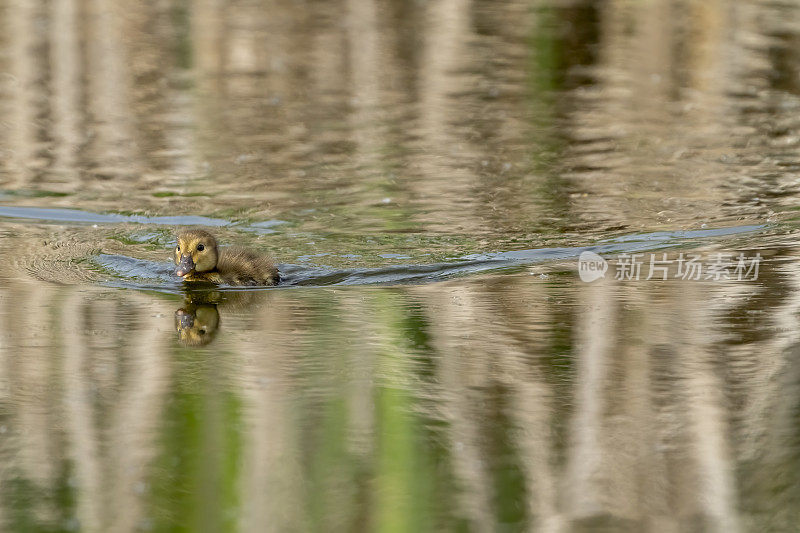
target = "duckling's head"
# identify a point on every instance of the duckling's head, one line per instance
(196, 252)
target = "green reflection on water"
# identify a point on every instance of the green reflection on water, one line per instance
(25, 502)
(405, 476)
(196, 477)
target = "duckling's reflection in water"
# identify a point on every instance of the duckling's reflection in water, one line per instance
(196, 324)
(197, 321)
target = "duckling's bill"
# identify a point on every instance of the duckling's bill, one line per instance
(185, 266)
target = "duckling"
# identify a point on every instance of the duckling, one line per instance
(199, 259)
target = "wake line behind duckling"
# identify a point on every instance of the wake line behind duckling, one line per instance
(159, 275)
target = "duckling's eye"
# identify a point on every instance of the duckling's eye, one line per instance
(178, 248)
(202, 332)
(200, 247)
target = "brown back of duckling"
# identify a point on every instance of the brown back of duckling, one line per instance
(239, 266)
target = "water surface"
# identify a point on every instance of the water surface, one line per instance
(426, 174)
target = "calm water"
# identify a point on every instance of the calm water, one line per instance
(427, 174)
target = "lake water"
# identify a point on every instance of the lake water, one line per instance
(427, 175)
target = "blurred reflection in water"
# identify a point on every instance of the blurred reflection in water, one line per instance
(493, 123)
(357, 133)
(506, 401)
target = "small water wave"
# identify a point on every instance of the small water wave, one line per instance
(685, 234)
(78, 216)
